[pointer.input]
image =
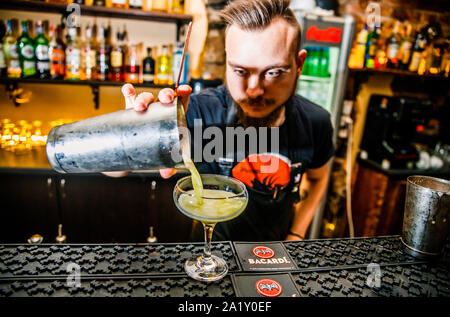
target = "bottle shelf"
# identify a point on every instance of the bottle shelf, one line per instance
(11, 85)
(396, 72)
(74, 82)
(98, 11)
(315, 78)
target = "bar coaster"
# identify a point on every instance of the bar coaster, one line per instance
(264, 285)
(263, 256)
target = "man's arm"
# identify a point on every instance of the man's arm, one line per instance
(314, 186)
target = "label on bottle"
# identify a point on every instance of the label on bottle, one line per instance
(42, 52)
(27, 51)
(2, 58)
(415, 60)
(392, 51)
(13, 51)
(121, 2)
(43, 66)
(135, 3)
(29, 68)
(406, 52)
(73, 56)
(148, 77)
(13, 65)
(90, 58)
(116, 59)
(56, 55)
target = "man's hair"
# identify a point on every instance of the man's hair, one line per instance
(258, 14)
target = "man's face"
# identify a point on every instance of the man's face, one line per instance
(262, 67)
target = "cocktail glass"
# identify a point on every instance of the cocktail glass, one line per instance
(224, 198)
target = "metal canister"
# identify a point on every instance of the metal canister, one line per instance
(125, 140)
(426, 216)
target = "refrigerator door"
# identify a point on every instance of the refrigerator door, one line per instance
(327, 41)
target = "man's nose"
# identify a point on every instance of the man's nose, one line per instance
(254, 87)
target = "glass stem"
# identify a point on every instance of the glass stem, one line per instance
(208, 228)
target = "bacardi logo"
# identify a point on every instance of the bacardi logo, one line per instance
(330, 34)
(269, 288)
(263, 252)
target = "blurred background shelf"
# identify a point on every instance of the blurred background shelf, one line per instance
(396, 72)
(73, 82)
(97, 11)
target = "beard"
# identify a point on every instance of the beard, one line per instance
(266, 121)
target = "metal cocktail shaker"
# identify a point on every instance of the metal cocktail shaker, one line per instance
(125, 140)
(426, 216)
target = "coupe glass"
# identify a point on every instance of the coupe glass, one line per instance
(208, 267)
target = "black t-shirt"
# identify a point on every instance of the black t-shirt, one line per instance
(305, 141)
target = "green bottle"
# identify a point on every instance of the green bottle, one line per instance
(315, 62)
(325, 56)
(26, 53)
(305, 70)
(42, 53)
(371, 47)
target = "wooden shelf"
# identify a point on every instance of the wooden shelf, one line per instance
(98, 11)
(74, 82)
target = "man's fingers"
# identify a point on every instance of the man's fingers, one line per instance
(167, 172)
(166, 95)
(129, 93)
(142, 101)
(183, 92)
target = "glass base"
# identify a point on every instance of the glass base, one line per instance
(206, 270)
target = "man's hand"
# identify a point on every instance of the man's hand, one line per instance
(142, 101)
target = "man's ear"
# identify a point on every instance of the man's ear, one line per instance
(301, 56)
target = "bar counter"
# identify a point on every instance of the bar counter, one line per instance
(314, 268)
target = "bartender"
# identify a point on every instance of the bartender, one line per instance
(264, 61)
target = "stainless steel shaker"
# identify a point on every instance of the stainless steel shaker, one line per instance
(125, 140)
(426, 216)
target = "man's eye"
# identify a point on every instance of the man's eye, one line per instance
(240, 72)
(273, 73)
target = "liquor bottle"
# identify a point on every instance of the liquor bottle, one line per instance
(104, 51)
(42, 54)
(135, 4)
(393, 45)
(371, 47)
(380, 60)
(118, 53)
(419, 47)
(404, 55)
(132, 65)
(73, 56)
(356, 59)
(3, 67)
(26, 53)
(57, 53)
(164, 67)
(148, 67)
(89, 55)
(177, 57)
(11, 51)
(123, 4)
